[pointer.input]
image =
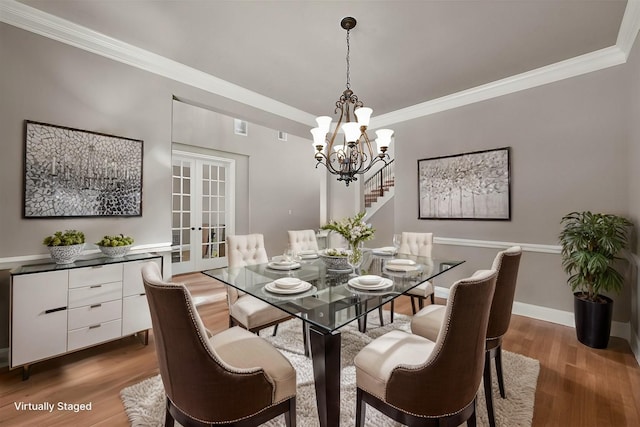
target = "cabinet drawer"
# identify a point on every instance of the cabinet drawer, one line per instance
(93, 314)
(135, 314)
(38, 316)
(132, 277)
(94, 334)
(96, 275)
(95, 294)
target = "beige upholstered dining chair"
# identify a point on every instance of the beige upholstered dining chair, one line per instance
(303, 240)
(421, 382)
(231, 378)
(420, 245)
(246, 310)
(428, 321)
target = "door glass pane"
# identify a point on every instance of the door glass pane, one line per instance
(180, 218)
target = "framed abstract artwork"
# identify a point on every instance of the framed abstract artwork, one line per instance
(475, 185)
(78, 173)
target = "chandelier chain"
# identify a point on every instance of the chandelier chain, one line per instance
(348, 77)
(348, 158)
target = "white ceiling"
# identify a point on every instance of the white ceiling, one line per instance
(402, 52)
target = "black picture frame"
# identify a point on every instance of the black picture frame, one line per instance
(468, 186)
(79, 173)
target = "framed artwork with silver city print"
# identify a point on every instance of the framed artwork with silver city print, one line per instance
(78, 173)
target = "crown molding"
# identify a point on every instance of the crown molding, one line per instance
(47, 25)
(629, 27)
(53, 27)
(594, 61)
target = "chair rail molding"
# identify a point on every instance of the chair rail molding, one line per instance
(527, 247)
(45, 24)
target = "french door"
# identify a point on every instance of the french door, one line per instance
(202, 211)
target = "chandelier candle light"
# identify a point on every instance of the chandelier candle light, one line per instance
(354, 154)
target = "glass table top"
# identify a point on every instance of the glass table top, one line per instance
(332, 298)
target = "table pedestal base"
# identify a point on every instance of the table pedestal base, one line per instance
(325, 353)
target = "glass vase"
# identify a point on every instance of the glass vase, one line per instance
(354, 257)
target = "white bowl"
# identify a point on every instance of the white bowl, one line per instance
(65, 254)
(369, 280)
(114, 251)
(287, 282)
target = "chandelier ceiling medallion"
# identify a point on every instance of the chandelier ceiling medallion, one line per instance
(352, 153)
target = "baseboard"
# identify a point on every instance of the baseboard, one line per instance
(560, 317)
(635, 345)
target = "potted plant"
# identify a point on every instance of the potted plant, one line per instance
(590, 245)
(115, 246)
(65, 247)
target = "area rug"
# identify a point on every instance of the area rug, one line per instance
(144, 402)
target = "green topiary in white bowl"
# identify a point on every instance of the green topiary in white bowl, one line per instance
(65, 247)
(115, 246)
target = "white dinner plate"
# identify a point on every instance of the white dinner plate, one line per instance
(384, 283)
(284, 265)
(272, 287)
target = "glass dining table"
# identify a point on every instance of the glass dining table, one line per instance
(329, 300)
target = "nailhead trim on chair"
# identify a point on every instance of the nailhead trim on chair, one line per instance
(226, 422)
(418, 415)
(434, 354)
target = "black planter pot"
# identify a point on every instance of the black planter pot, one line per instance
(593, 320)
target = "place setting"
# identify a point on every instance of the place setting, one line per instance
(369, 283)
(289, 286)
(400, 265)
(385, 251)
(285, 262)
(308, 254)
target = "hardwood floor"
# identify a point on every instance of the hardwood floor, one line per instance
(577, 386)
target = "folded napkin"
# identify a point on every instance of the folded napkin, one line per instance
(401, 262)
(281, 261)
(400, 267)
(386, 249)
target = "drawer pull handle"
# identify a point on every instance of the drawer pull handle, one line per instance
(53, 310)
(142, 295)
(94, 326)
(96, 306)
(97, 266)
(95, 286)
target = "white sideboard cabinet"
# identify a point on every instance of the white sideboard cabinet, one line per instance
(57, 309)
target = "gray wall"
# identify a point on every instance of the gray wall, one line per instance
(47, 81)
(569, 149)
(633, 113)
(273, 177)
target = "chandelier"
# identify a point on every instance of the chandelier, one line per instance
(352, 153)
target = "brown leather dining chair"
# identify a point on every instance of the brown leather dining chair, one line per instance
(427, 322)
(420, 382)
(233, 378)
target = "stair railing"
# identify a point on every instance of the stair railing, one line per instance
(378, 183)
